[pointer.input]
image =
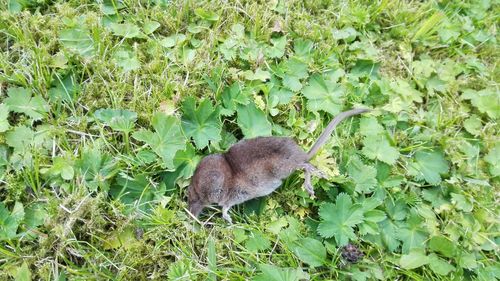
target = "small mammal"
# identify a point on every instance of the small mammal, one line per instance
(253, 168)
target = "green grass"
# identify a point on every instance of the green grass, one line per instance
(106, 108)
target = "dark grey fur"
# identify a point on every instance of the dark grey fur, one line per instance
(253, 168)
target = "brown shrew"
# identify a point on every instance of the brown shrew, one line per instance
(253, 168)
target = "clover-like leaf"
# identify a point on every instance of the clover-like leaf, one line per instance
(348, 34)
(126, 58)
(201, 123)
(364, 176)
(259, 74)
(231, 97)
(173, 40)
(20, 100)
(136, 190)
(8, 224)
(278, 48)
(126, 30)
(167, 138)
(411, 233)
(20, 138)
(486, 101)
(78, 40)
(429, 166)
(96, 169)
(338, 220)
(378, 147)
(323, 95)
(253, 121)
(121, 120)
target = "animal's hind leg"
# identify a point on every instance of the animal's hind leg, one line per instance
(308, 170)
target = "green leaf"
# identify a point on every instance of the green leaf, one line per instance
(278, 48)
(231, 97)
(188, 159)
(461, 202)
(364, 176)
(78, 40)
(310, 251)
(323, 95)
(111, 7)
(369, 127)
(302, 48)
(121, 120)
(388, 233)
(96, 169)
(212, 260)
(64, 89)
(126, 58)
(61, 166)
(339, 219)
(19, 100)
(22, 273)
(4, 114)
(150, 26)
(486, 101)
(443, 246)
(257, 242)
(292, 82)
(415, 259)
(166, 140)
(412, 234)
(295, 67)
(206, 15)
(35, 215)
(493, 158)
(378, 147)
(473, 125)
(274, 273)
(348, 34)
(428, 165)
(439, 265)
(259, 74)
(253, 121)
(201, 123)
(172, 40)
(20, 138)
(365, 68)
(126, 30)
(467, 260)
(137, 190)
(8, 224)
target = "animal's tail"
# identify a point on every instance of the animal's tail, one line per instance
(329, 129)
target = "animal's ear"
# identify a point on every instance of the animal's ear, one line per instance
(195, 208)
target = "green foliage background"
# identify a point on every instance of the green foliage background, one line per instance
(108, 106)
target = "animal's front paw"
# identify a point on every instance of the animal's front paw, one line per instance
(225, 214)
